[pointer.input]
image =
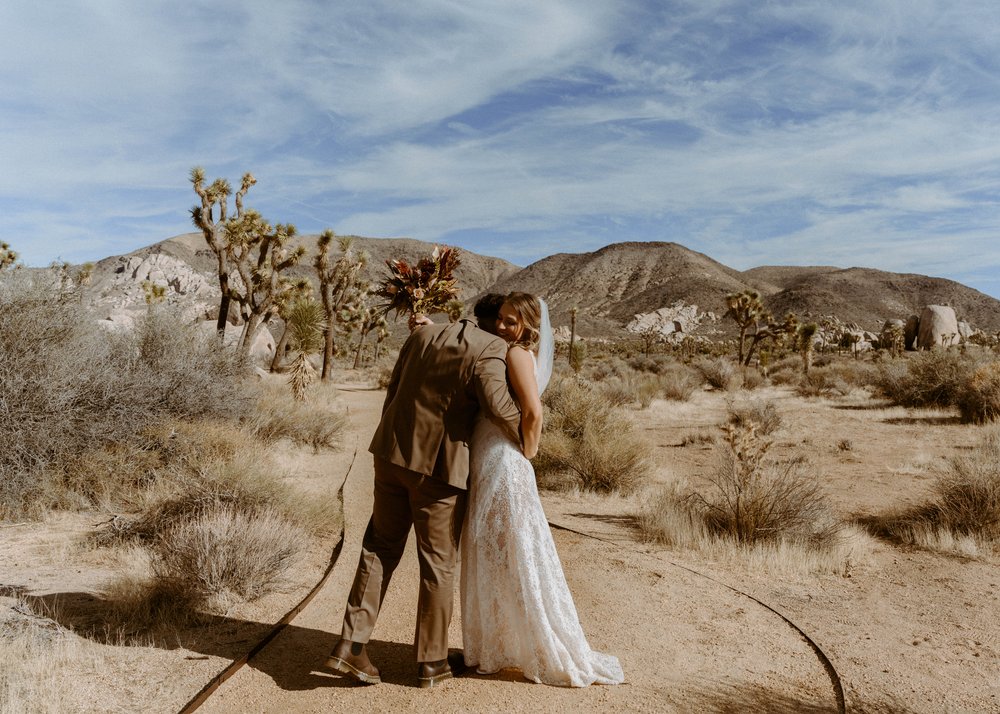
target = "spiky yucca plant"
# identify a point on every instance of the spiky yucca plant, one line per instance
(306, 320)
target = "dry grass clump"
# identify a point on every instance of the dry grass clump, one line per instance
(34, 663)
(679, 382)
(927, 379)
(224, 553)
(822, 382)
(699, 437)
(979, 400)
(719, 372)
(750, 502)
(588, 442)
(317, 423)
(751, 378)
(786, 370)
(599, 370)
(963, 513)
(854, 373)
(752, 499)
(760, 414)
(653, 364)
(198, 480)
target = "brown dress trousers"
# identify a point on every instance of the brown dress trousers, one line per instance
(444, 375)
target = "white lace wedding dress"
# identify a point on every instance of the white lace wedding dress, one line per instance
(517, 610)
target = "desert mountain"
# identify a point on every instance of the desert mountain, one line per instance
(611, 285)
(867, 296)
(608, 286)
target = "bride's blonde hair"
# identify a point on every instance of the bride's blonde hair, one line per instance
(529, 309)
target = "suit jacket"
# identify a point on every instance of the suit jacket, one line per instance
(444, 375)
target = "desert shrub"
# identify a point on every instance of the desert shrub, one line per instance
(719, 372)
(223, 552)
(965, 503)
(761, 415)
(979, 399)
(854, 373)
(787, 370)
(199, 478)
(635, 389)
(317, 423)
(679, 382)
(70, 388)
(752, 499)
(822, 382)
(588, 441)
(654, 364)
(617, 391)
(613, 367)
(382, 377)
(927, 379)
(699, 436)
(647, 387)
(751, 378)
(670, 516)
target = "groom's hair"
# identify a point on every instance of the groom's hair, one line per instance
(487, 311)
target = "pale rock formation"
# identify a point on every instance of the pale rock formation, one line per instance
(672, 323)
(184, 286)
(938, 327)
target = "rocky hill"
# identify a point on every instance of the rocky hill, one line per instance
(866, 296)
(608, 286)
(611, 285)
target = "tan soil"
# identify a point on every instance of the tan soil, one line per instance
(909, 627)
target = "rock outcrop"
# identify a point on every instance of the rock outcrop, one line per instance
(671, 323)
(938, 327)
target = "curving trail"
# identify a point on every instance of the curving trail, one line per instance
(685, 641)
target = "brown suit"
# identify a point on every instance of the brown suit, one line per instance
(444, 375)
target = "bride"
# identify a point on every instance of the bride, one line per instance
(517, 611)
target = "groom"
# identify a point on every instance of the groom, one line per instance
(444, 375)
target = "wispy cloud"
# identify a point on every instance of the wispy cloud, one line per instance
(808, 132)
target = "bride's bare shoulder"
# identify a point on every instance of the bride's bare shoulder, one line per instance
(519, 358)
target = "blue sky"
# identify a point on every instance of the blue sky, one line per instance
(809, 132)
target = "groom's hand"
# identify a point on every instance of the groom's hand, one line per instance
(418, 319)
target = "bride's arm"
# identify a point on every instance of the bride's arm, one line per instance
(521, 370)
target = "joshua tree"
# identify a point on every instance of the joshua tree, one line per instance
(893, 339)
(342, 289)
(8, 257)
(747, 311)
(649, 337)
(454, 310)
(302, 288)
(154, 294)
(258, 253)
(211, 217)
(804, 343)
(371, 318)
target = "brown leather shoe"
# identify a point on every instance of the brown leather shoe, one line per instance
(431, 674)
(350, 658)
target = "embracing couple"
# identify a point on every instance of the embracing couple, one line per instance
(452, 449)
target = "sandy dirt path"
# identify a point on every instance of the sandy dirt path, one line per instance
(684, 642)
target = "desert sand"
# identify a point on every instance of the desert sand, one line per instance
(905, 630)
